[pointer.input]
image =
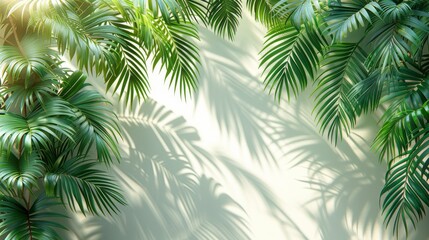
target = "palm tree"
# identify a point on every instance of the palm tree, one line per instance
(362, 54)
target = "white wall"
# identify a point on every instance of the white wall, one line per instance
(278, 178)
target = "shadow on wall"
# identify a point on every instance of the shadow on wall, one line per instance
(173, 183)
(167, 198)
(346, 179)
(235, 96)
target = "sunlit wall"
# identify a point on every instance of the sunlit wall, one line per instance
(231, 163)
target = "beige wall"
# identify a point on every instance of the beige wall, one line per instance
(230, 163)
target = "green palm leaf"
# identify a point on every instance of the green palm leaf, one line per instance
(35, 221)
(38, 128)
(298, 11)
(164, 7)
(174, 48)
(25, 98)
(394, 37)
(262, 11)
(395, 11)
(368, 92)
(23, 172)
(23, 61)
(129, 75)
(406, 193)
(347, 17)
(290, 57)
(102, 42)
(342, 68)
(96, 124)
(195, 10)
(410, 86)
(81, 185)
(224, 16)
(404, 118)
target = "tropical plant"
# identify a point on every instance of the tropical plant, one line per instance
(361, 54)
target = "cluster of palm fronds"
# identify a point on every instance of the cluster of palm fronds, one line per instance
(361, 54)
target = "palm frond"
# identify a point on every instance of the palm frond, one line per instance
(129, 75)
(342, 68)
(395, 11)
(224, 16)
(29, 57)
(406, 193)
(262, 11)
(410, 84)
(174, 49)
(104, 43)
(347, 17)
(37, 129)
(196, 10)
(290, 57)
(32, 221)
(401, 124)
(95, 122)
(368, 92)
(394, 37)
(20, 173)
(82, 186)
(164, 7)
(24, 99)
(298, 11)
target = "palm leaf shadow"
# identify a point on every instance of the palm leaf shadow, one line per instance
(167, 198)
(271, 201)
(236, 98)
(347, 178)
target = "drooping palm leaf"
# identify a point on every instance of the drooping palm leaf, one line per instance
(262, 11)
(164, 7)
(103, 42)
(298, 11)
(37, 129)
(410, 83)
(195, 10)
(22, 7)
(224, 16)
(82, 186)
(25, 98)
(29, 57)
(290, 57)
(394, 37)
(20, 173)
(368, 92)
(406, 194)
(402, 120)
(129, 76)
(174, 48)
(95, 122)
(33, 221)
(342, 68)
(347, 17)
